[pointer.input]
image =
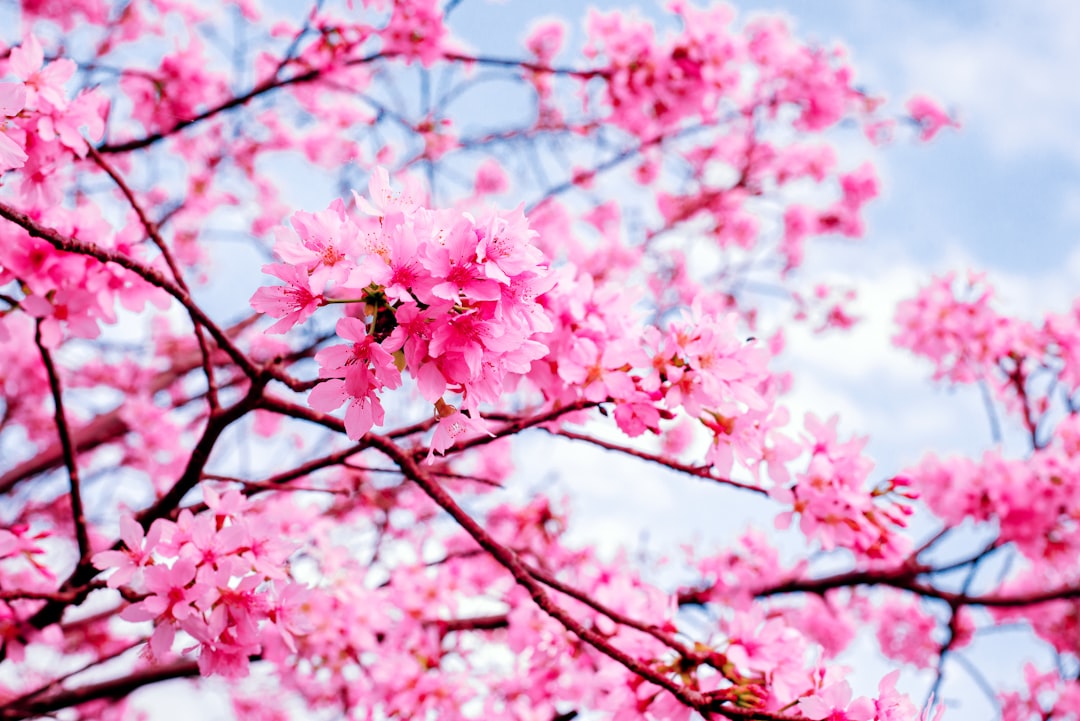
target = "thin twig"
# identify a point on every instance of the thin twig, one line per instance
(698, 471)
(154, 233)
(71, 674)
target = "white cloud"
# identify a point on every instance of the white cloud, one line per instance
(884, 392)
(1012, 73)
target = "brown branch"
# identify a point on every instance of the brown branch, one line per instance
(283, 407)
(300, 412)
(496, 621)
(905, 580)
(698, 471)
(530, 66)
(522, 574)
(295, 410)
(56, 596)
(200, 454)
(441, 474)
(70, 455)
(116, 688)
(274, 83)
(476, 623)
(107, 426)
(331, 459)
(515, 426)
(647, 628)
(929, 543)
(18, 701)
(81, 624)
(151, 276)
(250, 488)
(1017, 378)
(84, 572)
(101, 430)
(270, 84)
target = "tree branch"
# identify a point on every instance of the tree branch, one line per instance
(905, 580)
(522, 574)
(698, 471)
(154, 233)
(79, 579)
(70, 454)
(274, 83)
(151, 276)
(110, 425)
(112, 689)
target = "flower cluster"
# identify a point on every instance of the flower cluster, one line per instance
(70, 297)
(415, 30)
(832, 701)
(1045, 694)
(834, 504)
(219, 576)
(451, 299)
(929, 116)
(957, 328)
(1033, 501)
(463, 305)
(39, 125)
(601, 350)
(704, 71)
(183, 84)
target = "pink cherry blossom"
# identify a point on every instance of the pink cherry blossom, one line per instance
(554, 276)
(12, 101)
(292, 303)
(834, 703)
(137, 554)
(929, 116)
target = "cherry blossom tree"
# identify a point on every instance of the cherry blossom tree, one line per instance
(291, 446)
